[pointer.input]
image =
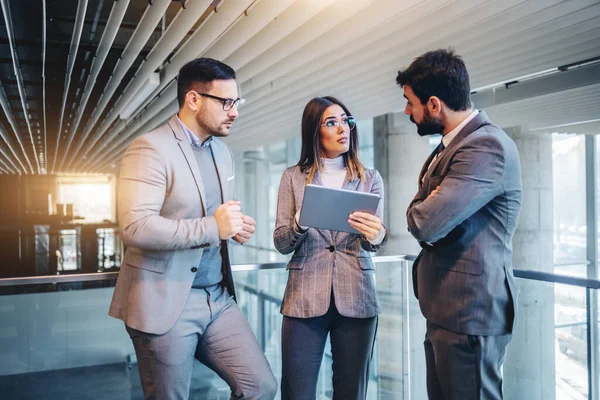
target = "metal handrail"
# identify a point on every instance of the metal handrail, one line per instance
(108, 276)
(556, 278)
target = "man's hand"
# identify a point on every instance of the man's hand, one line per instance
(434, 191)
(229, 219)
(368, 224)
(248, 229)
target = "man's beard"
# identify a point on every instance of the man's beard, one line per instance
(218, 131)
(429, 125)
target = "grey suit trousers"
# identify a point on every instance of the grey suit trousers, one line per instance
(463, 367)
(213, 330)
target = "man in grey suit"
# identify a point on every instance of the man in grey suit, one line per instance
(464, 216)
(175, 291)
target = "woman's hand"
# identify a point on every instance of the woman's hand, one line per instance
(297, 219)
(369, 225)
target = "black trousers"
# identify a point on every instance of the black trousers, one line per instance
(303, 344)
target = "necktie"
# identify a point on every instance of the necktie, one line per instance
(438, 150)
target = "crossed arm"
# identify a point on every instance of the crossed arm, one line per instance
(473, 180)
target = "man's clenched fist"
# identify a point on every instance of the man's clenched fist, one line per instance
(248, 229)
(229, 219)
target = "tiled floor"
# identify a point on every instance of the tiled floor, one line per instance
(106, 382)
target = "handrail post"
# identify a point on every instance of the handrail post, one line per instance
(261, 334)
(406, 337)
(591, 298)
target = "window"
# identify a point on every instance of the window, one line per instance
(92, 197)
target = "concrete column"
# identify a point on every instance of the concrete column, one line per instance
(238, 253)
(399, 155)
(529, 369)
(256, 186)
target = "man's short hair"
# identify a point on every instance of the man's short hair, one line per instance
(440, 73)
(198, 75)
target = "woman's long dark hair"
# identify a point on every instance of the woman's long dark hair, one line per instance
(310, 157)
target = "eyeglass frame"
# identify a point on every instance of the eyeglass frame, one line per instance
(338, 122)
(235, 102)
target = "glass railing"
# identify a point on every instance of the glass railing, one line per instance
(57, 341)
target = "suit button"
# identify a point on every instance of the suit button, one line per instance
(330, 248)
(194, 269)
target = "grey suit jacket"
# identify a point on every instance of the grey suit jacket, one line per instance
(324, 260)
(163, 224)
(463, 277)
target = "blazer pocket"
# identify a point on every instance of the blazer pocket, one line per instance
(153, 264)
(366, 263)
(464, 266)
(296, 262)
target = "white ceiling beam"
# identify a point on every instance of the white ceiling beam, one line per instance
(220, 36)
(18, 76)
(75, 38)
(298, 14)
(106, 41)
(147, 24)
(246, 24)
(330, 78)
(13, 124)
(183, 22)
(111, 142)
(110, 157)
(327, 20)
(228, 13)
(385, 50)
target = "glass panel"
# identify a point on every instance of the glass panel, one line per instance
(549, 343)
(109, 249)
(571, 342)
(68, 251)
(568, 183)
(57, 340)
(91, 201)
(259, 296)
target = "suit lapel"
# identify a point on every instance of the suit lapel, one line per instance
(434, 163)
(188, 154)
(350, 184)
(316, 178)
(425, 167)
(477, 122)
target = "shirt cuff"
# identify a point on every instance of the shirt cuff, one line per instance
(379, 238)
(212, 231)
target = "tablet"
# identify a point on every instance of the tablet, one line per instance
(327, 208)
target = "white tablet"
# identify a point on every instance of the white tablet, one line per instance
(327, 208)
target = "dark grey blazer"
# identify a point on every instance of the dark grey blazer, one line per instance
(463, 277)
(324, 260)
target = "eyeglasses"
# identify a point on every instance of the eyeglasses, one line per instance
(228, 104)
(349, 122)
